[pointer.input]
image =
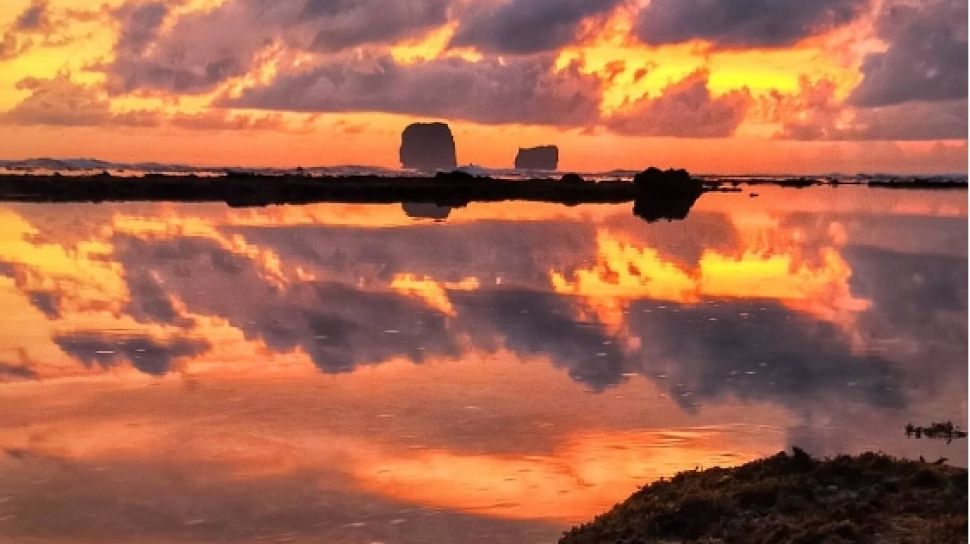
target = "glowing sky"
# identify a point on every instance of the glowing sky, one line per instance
(712, 85)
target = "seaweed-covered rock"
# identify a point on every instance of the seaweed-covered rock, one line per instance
(428, 146)
(869, 498)
(544, 157)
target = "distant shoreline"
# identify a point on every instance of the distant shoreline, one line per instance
(446, 189)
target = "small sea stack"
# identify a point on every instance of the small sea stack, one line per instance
(544, 157)
(428, 146)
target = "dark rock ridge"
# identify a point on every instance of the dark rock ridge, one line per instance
(545, 157)
(428, 146)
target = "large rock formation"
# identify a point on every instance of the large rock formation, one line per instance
(538, 158)
(428, 146)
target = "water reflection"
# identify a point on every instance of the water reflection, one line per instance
(347, 373)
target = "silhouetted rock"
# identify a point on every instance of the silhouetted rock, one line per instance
(428, 146)
(670, 182)
(538, 158)
(665, 194)
(572, 178)
(424, 210)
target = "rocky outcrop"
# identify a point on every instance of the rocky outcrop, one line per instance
(670, 182)
(665, 195)
(428, 146)
(538, 158)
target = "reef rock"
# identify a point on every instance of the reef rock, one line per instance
(428, 146)
(538, 158)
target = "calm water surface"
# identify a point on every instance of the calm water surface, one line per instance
(335, 373)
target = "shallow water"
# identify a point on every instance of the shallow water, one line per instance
(343, 373)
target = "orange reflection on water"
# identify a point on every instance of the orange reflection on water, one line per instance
(623, 272)
(582, 477)
(433, 293)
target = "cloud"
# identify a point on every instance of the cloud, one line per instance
(61, 102)
(140, 25)
(525, 26)
(684, 109)
(36, 18)
(926, 59)
(338, 326)
(815, 114)
(491, 91)
(16, 372)
(216, 119)
(742, 23)
(205, 48)
(147, 354)
(10, 47)
(707, 353)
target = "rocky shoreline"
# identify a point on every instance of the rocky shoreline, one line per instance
(455, 189)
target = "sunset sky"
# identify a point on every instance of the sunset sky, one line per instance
(717, 86)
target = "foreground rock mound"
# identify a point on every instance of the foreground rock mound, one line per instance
(538, 158)
(870, 498)
(428, 146)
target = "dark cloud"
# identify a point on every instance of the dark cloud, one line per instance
(926, 59)
(203, 49)
(347, 23)
(526, 91)
(48, 303)
(508, 252)
(10, 47)
(16, 372)
(342, 325)
(36, 18)
(217, 119)
(61, 102)
(742, 23)
(147, 354)
(705, 352)
(534, 323)
(339, 327)
(525, 26)
(815, 114)
(920, 305)
(140, 25)
(684, 109)
(150, 303)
